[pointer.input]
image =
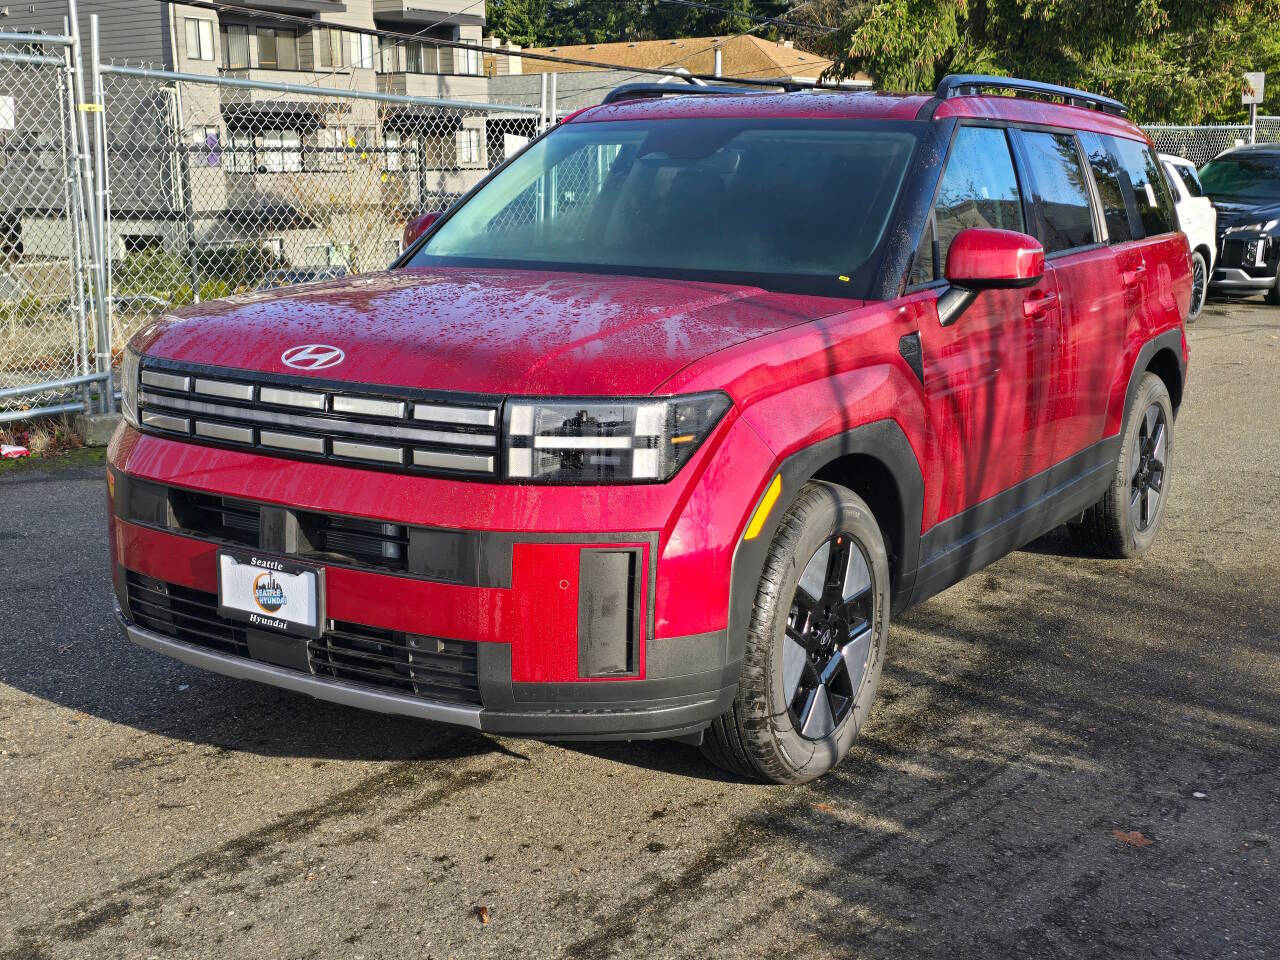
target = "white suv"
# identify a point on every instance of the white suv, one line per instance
(1199, 221)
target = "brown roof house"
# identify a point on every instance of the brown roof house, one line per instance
(576, 86)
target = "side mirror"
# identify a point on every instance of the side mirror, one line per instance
(418, 225)
(986, 259)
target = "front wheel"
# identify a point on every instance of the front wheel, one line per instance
(816, 644)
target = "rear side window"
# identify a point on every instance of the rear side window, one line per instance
(1062, 190)
(979, 189)
(1151, 196)
(1189, 179)
(1114, 190)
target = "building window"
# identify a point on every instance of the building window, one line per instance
(390, 58)
(208, 143)
(235, 47)
(328, 44)
(199, 38)
(326, 255)
(240, 155)
(277, 49)
(281, 151)
(394, 161)
(361, 50)
(468, 147)
(420, 57)
(467, 61)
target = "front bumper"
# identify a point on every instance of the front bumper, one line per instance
(1239, 280)
(524, 585)
(1247, 263)
(648, 709)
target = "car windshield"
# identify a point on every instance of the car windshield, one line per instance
(1243, 176)
(778, 203)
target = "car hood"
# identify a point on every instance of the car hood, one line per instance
(1236, 211)
(485, 331)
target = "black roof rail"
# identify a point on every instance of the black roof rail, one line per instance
(963, 84)
(647, 91)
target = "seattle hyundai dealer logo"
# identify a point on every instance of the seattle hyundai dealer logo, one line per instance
(312, 356)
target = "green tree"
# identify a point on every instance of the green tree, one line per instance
(1170, 60)
(562, 22)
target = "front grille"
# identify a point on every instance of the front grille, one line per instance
(354, 540)
(224, 518)
(1232, 254)
(425, 667)
(183, 614)
(297, 417)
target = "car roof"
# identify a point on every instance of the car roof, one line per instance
(832, 105)
(1266, 149)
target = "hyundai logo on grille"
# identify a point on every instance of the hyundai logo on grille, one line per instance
(312, 356)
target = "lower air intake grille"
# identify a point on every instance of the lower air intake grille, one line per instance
(438, 670)
(183, 614)
(424, 666)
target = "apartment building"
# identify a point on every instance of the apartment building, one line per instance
(199, 167)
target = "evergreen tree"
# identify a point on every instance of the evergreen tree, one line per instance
(1170, 60)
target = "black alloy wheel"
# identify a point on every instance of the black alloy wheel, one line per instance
(827, 649)
(1147, 485)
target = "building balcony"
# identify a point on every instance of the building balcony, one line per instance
(440, 85)
(300, 7)
(430, 12)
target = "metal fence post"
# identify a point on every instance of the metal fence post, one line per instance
(104, 207)
(83, 105)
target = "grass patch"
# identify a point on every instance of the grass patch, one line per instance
(66, 460)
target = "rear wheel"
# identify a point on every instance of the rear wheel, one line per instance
(816, 644)
(1124, 523)
(1199, 285)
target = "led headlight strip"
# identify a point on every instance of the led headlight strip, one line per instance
(601, 440)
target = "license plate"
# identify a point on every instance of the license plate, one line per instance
(271, 593)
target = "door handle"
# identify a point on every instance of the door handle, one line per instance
(1038, 305)
(1131, 277)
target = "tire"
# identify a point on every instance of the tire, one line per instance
(775, 730)
(1199, 286)
(1124, 523)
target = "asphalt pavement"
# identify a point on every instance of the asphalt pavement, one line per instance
(1070, 757)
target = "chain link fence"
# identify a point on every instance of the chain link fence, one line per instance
(1202, 144)
(218, 188)
(46, 317)
(208, 186)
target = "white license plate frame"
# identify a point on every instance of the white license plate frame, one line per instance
(271, 593)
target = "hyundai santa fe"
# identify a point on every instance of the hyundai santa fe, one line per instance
(653, 432)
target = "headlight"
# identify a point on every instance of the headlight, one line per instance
(1254, 227)
(640, 440)
(129, 386)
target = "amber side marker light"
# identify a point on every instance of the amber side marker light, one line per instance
(762, 512)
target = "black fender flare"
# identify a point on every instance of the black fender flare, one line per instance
(1170, 340)
(882, 439)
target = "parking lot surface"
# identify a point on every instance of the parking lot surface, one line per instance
(1070, 757)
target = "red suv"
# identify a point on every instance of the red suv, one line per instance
(651, 433)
